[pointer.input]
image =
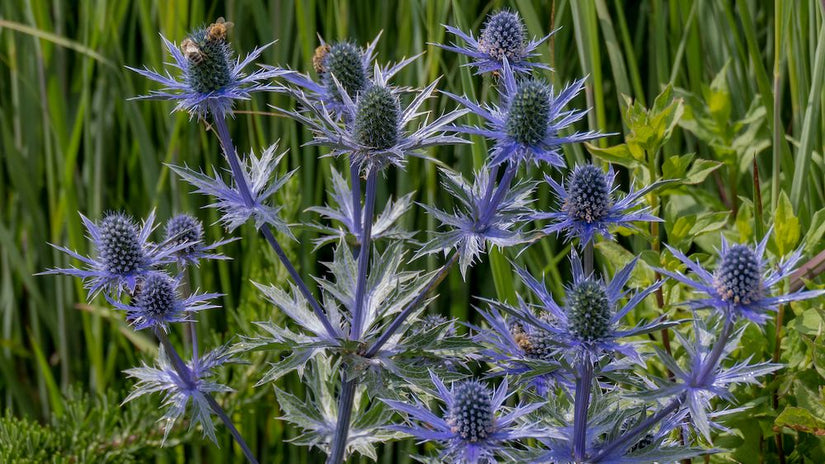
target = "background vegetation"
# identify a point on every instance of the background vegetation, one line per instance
(747, 78)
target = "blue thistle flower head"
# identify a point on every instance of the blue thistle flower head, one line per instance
(342, 68)
(481, 219)
(528, 124)
(503, 39)
(156, 303)
(119, 246)
(184, 232)
(474, 427)
(377, 118)
(123, 255)
(345, 61)
(180, 391)
(209, 79)
(373, 127)
(589, 206)
(589, 324)
(503, 36)
(743, 285)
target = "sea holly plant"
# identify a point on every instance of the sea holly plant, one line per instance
(553, 376)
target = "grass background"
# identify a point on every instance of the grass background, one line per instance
(71, 142)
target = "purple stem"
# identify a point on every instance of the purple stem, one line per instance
(355, 180)
(581, 405)
(365, 242)
(186, 375)
(339, 440)
(411, 306)
(243, 188)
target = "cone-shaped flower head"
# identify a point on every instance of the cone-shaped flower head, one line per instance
(373, 127)
(590, 323)
(123, 254)
(345, 61)
(475, 426)
(535, 343)
(529, 112)
(743, 284)
(589, 206)
(156, 299)
(209, 57)
(528, 124)
(471, 414)
(119, 246)
(210, 77)
(157, 303)
(343, 68)
(588, 195)
(738, 279)
(184, 230)
(377, 118)
(503, 38)
(588, 311)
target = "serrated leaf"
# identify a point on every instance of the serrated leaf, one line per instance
(618, 154)
(700, 170)
(801, 420)
(676, 166)
(816, 231)
(709, 222)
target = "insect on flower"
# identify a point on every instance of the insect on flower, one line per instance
(209, 78)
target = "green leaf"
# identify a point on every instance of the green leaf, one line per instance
(709, 222)
(800, 420)
(700, 170)
(676, 166)
(816, 231)
(786, 226)
(617, 256)
(619, 154)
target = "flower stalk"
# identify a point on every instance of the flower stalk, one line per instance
(186, 375)
(243, 188)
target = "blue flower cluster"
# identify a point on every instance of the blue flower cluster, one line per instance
(567, 376)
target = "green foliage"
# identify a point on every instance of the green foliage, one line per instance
(90, 430)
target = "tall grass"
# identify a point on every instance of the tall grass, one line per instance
(72, 142)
